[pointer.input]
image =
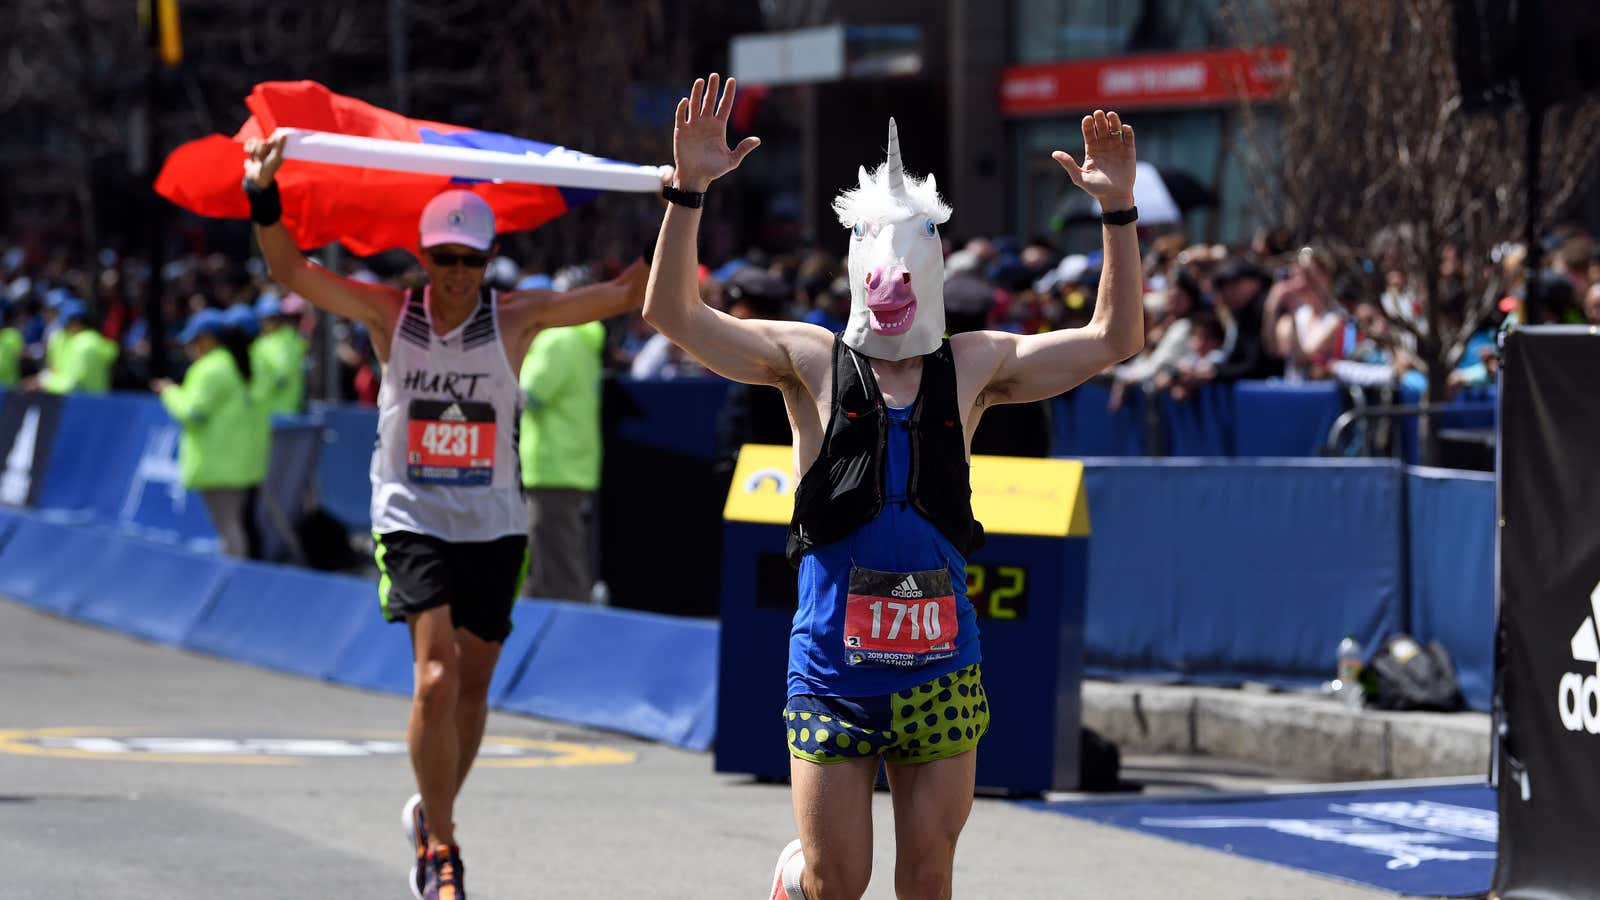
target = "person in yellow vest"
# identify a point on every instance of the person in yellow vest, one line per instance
(12, 346)
(277, 359)
(83, 363)
(560, 449)
(55, 336)
(226, 440)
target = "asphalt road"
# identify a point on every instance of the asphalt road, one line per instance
(132, 770)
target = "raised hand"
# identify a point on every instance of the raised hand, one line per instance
(1109, 161)
(266, 155)
(700, 136)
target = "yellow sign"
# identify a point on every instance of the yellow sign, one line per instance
(1010, 495)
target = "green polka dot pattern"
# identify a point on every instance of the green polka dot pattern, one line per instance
(944, 717)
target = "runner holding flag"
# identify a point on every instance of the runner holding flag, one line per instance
(447, 511)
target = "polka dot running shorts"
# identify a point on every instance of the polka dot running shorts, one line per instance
(940, 718)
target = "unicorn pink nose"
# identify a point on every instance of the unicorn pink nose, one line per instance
(879, 275)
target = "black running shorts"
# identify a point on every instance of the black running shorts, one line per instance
(479, 581)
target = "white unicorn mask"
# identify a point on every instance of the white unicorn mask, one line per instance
(896, 260)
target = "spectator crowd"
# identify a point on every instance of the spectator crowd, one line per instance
(1213, 313)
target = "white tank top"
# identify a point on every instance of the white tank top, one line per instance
(446, 463)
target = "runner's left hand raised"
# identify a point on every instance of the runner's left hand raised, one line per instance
(1109, 160)
(700, 136)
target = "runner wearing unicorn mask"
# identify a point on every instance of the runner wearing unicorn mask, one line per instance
(884, 663)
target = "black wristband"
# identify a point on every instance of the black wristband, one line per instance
(691, 199)
(266, 205)
(1121, 217)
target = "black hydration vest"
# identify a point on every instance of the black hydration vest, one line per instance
(844, 490)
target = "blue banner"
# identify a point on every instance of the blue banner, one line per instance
(1450, 537)
(1234, 571)
(1435, 841)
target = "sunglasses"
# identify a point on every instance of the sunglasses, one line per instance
(445, 259)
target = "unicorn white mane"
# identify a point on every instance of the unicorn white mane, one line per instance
(888, 194)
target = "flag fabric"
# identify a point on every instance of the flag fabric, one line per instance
(369, 209)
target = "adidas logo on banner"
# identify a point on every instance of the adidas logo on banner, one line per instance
(1578, 698)
(453, 413)
(907, 588)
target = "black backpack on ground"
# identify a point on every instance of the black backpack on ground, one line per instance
(1410, 676)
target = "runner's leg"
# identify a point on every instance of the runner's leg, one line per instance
(833, 810)
(432, 730)
(931, 804)
(478, 658)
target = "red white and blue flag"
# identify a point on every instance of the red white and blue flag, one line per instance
(360, 175)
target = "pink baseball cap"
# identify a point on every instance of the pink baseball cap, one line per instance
(458, 217)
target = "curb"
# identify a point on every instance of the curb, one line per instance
(1305, 735)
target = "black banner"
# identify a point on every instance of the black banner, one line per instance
(27, 432)
(1547, 648)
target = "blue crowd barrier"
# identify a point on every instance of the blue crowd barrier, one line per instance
(114, 459)
(638, 673)
(127, 472)
(283, 618)
(1227, 571)
(291, 472)
(343, 485)
(1082, 423)
(51, 565)
(530, 619)
(1450, 518)
(151, 590)
(647, 675)
(1276, 418)
(377, 657)
(8, 524)
(1203, 424)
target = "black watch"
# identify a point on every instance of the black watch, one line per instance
(1121, 217)
(691, 199)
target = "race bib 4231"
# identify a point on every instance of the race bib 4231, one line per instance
(450, 442)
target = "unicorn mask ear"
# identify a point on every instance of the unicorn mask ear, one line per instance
(863, 178)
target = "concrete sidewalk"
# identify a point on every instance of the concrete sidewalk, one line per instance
(1304, 734)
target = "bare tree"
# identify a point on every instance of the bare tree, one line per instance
(1374, 156)
(72, 77)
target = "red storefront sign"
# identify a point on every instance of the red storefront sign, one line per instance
(1205, 78)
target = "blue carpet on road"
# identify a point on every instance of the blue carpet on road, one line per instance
(1432, 840)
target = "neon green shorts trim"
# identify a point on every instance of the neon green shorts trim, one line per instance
(943, 717)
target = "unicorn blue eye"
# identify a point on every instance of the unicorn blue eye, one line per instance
(928, 229)
(859, 229)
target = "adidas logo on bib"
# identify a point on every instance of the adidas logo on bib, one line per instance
(453, 414)
(907, 588)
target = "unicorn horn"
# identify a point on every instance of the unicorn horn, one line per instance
(897, 171)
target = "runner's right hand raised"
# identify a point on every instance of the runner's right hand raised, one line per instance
(266, 155)
(700, 136)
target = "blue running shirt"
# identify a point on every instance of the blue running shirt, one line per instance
(898, 540)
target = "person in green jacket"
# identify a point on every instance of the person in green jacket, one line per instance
(278, 359)
(12, 346)
(226, 439)
(83, 362)
(55, 335)
(560, 449)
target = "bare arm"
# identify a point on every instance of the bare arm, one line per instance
(751, 351)
(370, 304)
(526, 313)
(1024, 368)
